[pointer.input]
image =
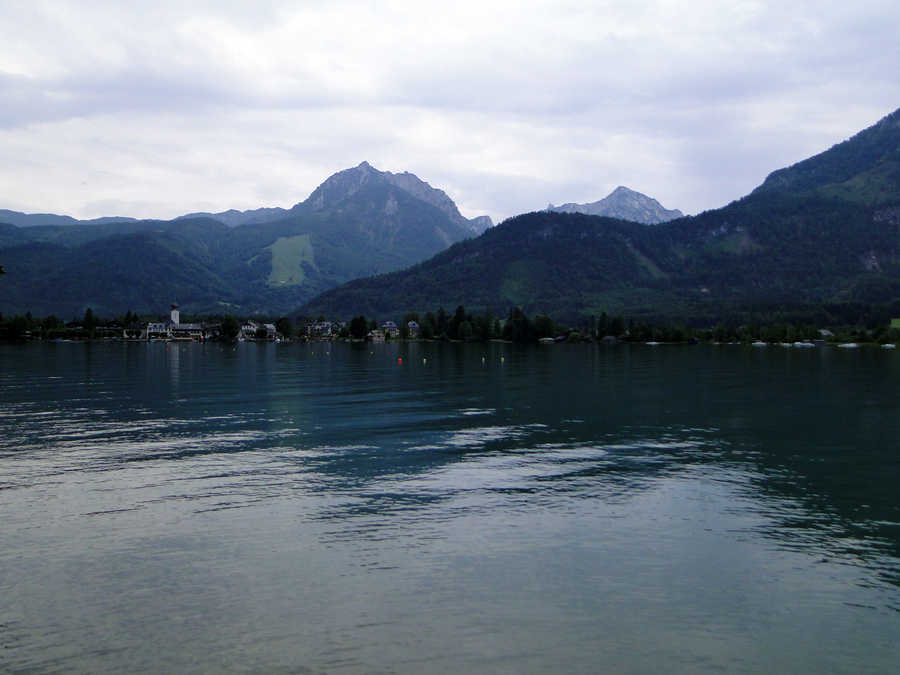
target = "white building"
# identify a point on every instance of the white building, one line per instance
(321, 329)
(173, 329)
(390, 329)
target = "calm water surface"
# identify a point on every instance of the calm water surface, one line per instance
(327, 508)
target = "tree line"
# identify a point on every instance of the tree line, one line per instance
(847, 322)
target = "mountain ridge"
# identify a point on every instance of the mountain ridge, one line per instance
(271, 266)
(625, 204)
(234, 217)
(826, 230)
(339, 185)
(873, 148)
(20, 219)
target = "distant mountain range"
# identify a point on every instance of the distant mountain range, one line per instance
(624, 204)
(826, 230)
(359, 222)
(343, 184)
(35, 219)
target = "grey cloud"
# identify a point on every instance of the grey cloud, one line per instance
(512, 107)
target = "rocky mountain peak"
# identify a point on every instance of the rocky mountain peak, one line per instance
(341, 185)
(438, 198)
(626, 204)
(346, 183)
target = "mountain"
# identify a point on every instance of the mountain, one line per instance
(438, 198)
(233, 217)
(624, 204)
(35, 219)
(358, 222)
(480, 223)
(826, 230)
(541, 261)
(864, 169)
(348, 182)
(141, 269)
(341, 185)
(345, 184)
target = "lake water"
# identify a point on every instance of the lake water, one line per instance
(474, 508)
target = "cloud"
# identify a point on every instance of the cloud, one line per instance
(165, 109)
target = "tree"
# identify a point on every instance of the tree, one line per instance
(51, 324)
(285, 327)
(518, 328)
(459, 317)
(428, 326)
(17, 328)
(426, 330)
(544, 326)
(482, 327)
(616, 326)
(230, 327)
(89, 322)
(358, 327)
(441, 325)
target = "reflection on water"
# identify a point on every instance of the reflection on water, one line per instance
(448, 507)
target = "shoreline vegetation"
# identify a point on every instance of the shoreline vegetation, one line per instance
(870, 328)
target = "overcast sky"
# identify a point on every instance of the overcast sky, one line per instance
(151, 109)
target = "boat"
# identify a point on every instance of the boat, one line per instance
(888, 345)
(760, 343)
(848, 345)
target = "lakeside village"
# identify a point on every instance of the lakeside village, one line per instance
(173, 329)
(460, 326)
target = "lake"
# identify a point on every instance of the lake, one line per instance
(446, 508)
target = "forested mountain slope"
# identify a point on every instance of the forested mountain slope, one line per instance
(825, 230)
(358, 222)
